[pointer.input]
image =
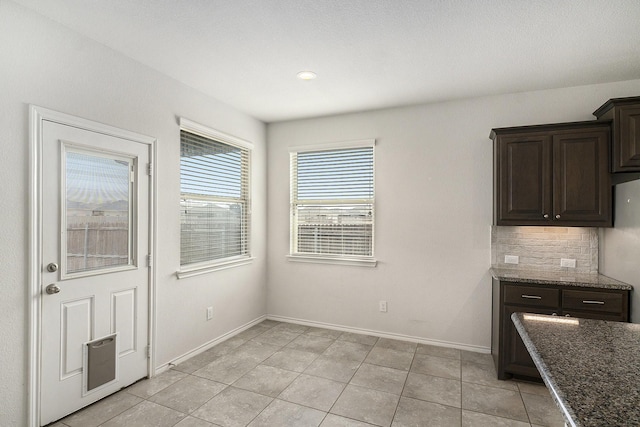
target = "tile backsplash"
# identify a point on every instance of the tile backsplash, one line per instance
(542, 248)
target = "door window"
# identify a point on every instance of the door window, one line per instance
(98, 211)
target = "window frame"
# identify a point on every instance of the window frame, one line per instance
(336, 259)
(197, 268)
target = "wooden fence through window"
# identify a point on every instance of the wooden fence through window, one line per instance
(97, 241)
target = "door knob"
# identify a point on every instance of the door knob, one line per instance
(557, 216)
(52, 289)
(545, 216)
(52, 267)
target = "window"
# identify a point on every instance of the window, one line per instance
(332, 203)
(98, 211)
(215, 210)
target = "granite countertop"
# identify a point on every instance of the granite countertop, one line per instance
(542, 277)
(591, 367)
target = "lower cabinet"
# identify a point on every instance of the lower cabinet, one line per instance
(516, 356)
(509, 352)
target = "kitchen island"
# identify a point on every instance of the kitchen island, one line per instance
(591, 367)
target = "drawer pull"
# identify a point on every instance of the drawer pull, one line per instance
(593, 302)
(532, 297)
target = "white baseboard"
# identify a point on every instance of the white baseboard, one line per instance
(206, 346)
(391, 335)
(162, 368)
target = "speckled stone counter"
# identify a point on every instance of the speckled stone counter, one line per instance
(558, 278)
(591, 367)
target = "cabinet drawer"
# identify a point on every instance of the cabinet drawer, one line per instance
(617, 317)
(606, 302)
(532, 296)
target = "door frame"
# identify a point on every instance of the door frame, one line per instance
(38, 115)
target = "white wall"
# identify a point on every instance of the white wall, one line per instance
(433, 214)
(620, 246)
(50, 66)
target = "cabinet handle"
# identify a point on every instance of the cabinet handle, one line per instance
(593, 302)
(554, 314)
(567, 315)
(545, 216)
(532, 297)
(557, 216)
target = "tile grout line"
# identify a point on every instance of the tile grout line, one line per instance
(395, 412)
(297, 376)
(326, 413)
(273, 399)
(526, 411)
(231, 385)
(461, 392)
(348, 382)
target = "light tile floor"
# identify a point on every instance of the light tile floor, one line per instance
(281, 374)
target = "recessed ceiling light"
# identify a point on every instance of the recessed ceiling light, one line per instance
(307, 75)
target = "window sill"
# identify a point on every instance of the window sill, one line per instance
(197, 269)
(357, 262)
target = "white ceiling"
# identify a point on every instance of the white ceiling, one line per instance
(368, 54)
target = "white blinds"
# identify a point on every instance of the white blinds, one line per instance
(214, 205)
(332, 202)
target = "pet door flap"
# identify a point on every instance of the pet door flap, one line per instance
(101, 361)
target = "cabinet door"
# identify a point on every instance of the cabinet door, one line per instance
(523, 184)
(516, 356)
(626, 153)
(581, 184)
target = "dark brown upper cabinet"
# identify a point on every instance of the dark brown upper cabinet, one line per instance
(553, 175)
(625, 116)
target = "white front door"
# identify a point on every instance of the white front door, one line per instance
(95, 277)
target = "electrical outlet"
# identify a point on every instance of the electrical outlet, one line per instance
(383, 306)
(511, 259)
(568, 262)
(209, 313)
